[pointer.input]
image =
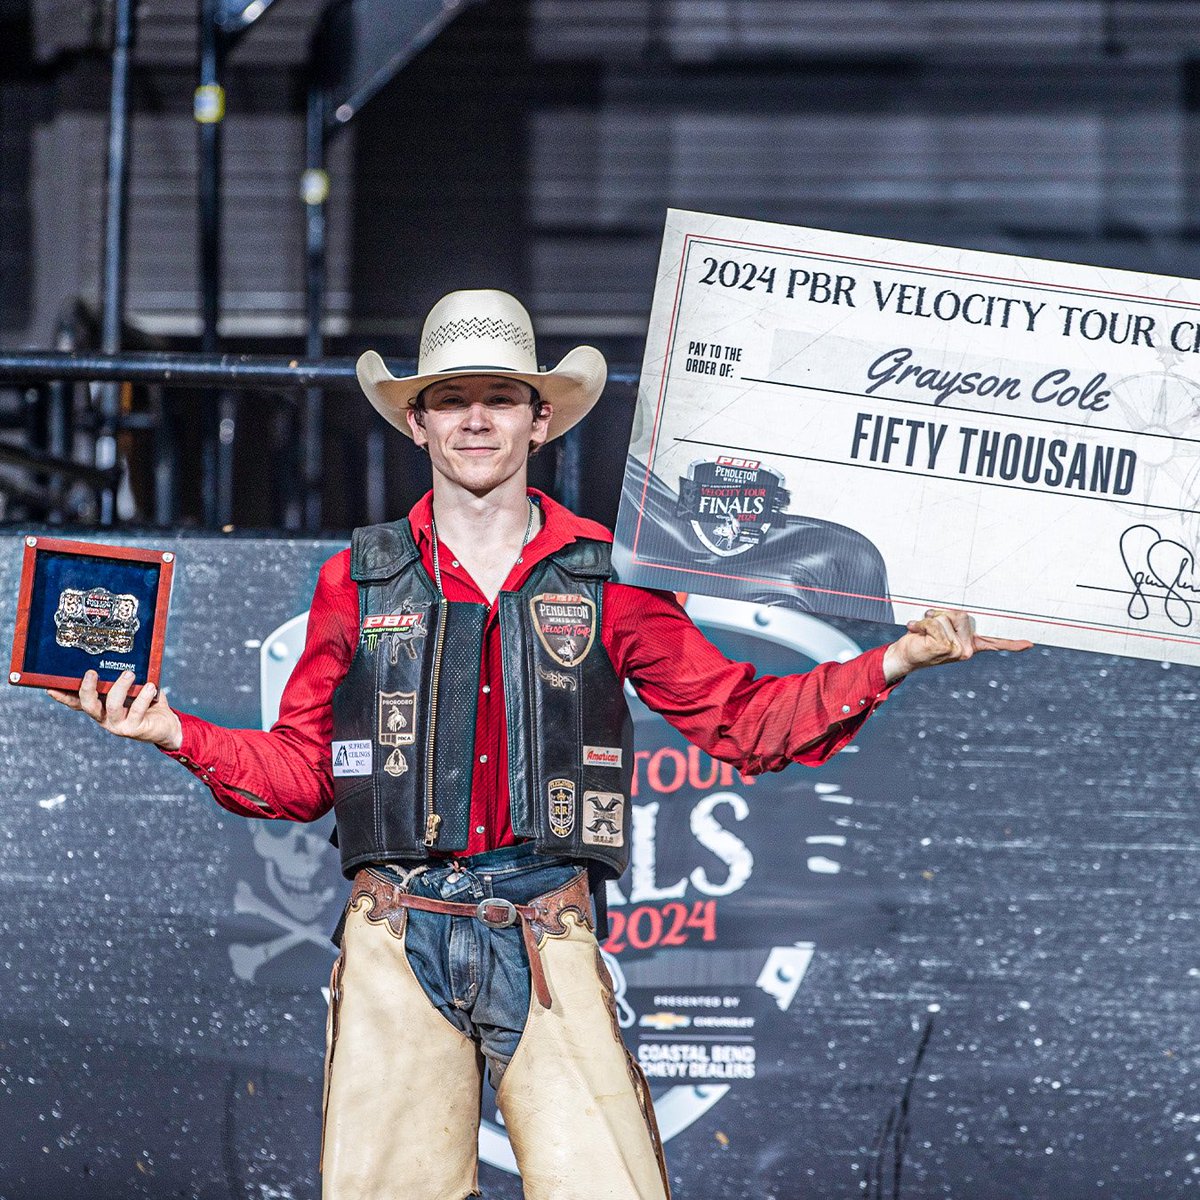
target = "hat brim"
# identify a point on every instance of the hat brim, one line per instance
(571, 388)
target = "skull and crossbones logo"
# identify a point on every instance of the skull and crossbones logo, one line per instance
(293, 857)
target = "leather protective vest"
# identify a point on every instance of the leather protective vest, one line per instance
(404, 715)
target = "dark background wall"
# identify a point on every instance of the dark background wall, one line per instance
(535, 144)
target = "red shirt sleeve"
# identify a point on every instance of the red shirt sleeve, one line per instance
(286, 772)
(757, 724)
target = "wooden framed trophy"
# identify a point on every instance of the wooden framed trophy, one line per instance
(84, 606)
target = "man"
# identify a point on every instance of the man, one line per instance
(460, 700)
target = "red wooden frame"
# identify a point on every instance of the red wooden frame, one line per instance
(164, 559)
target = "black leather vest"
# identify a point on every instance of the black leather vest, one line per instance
(404, 715)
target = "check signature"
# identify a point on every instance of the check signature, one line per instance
(1165, 568)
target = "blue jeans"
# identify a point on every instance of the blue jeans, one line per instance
(475, 975)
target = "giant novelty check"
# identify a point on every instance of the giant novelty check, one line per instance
(862, 427)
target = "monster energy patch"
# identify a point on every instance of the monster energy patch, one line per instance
(562, 806)
(730, 503)
(565, 624)
(96, 620)
(603, 818)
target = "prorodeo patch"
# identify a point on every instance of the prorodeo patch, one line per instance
(565, 624)
(397, 727)
(561, 796)
(603, 819)
(602, 756)
(352, 758)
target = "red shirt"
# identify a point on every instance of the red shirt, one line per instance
(757, 724)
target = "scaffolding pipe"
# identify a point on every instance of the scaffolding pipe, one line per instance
(315, 190)
(116, 195)
(200, 370)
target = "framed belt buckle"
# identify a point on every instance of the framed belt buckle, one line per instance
(90, 607)
(499, 914)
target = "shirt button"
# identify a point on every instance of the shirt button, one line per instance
(483, 758)
(487, 689)
(454, 562)
(478, 828)
(861, 703)
(845, 708)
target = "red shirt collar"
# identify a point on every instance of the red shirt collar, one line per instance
(560, 526)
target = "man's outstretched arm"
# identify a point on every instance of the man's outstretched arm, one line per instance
(763, 723)
(281, 773)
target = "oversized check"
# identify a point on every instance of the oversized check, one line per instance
(863, 427)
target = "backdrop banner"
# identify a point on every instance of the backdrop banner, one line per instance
(872, 425)
(958, 960)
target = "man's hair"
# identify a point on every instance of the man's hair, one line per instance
(417, 405)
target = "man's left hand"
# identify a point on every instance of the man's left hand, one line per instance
(943, 635)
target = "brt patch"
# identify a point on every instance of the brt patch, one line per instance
(565, 624)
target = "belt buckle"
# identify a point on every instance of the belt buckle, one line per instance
(485, 911)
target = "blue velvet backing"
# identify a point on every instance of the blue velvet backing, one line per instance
(55, 572)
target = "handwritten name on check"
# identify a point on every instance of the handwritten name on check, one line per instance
(862, 427)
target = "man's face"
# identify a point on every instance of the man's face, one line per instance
(478, 429)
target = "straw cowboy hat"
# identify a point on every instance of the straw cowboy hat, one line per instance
(485, 333)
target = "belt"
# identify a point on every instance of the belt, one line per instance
(541, 917)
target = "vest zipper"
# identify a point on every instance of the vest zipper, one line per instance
(432, 818)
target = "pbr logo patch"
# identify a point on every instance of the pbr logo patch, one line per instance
(565, 624)
(562, 807)
(603, 818)
(402, 629)
(397, 727)
(730, 503)
(96, 620)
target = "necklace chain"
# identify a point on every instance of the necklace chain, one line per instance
(437, 566)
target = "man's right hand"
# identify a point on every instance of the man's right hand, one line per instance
(148, 719)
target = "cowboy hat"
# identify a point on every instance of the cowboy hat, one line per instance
(485, 332)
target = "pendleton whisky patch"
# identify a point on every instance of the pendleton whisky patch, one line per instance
(565, 624)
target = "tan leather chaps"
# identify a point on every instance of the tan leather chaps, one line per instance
(403, 1085)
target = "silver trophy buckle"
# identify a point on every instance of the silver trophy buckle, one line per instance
(486, 911)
